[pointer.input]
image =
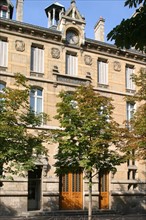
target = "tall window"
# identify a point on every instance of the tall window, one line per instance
(3, 53)
(102, 72)
(130, 85)
(130, 110)
(37, 59)
(131, 174)
(36, 100)
(71, 64)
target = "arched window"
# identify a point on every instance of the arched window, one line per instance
(36, 100)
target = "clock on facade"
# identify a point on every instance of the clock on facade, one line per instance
(72, 37)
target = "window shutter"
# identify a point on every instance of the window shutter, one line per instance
(71, 65)
(32, 58)
(42, 61)
(68, 64)
(106, 73)
(4, 53)
(75, 65)
(102, 72)
(129, 83)
(37, 60)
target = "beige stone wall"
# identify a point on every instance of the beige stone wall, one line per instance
(14, 194)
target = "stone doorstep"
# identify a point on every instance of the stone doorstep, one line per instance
(67, 213)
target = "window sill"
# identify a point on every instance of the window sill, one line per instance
(41, 75)
(105, 86)
(3, 68)
(130, 91)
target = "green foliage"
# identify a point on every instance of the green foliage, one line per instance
(134, 3)
(88, 132)
(19, 146)
(130, 32)
(136, 137)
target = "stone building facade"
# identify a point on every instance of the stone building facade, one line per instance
(57, 58)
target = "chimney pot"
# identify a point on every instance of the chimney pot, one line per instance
(19, 10)
(99, 29)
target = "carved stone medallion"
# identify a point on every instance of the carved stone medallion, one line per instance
(88, 60)
(55, 52)
(19, 45)
(117, 66)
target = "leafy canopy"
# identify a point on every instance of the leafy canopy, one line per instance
(19, 146)
(88, 132)
(130, 32)
(136, 139)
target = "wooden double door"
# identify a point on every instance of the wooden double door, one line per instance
(71, 192)
(104, 190)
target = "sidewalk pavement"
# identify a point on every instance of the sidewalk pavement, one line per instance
(97, 217)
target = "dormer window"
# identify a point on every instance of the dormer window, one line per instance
(3, 11)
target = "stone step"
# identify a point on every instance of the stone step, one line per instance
(67, 213)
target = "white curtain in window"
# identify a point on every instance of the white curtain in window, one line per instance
(103, 72)
(37, 60)
(129, 83)
(71, 65)
(130, 110)
(36, 100)
(4, 53)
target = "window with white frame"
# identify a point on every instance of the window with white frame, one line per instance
(103, 72)
(36, 100)
(130, 110)
(71, 64)
(132, 168)
(37, 59)
(4, 53)
(130, 85)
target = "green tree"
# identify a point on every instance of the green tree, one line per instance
(87, 135)
(19, 146)
(130, 32)
(136, 137)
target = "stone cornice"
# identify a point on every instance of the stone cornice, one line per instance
(7, 25)
(93, 46)
(111, 50)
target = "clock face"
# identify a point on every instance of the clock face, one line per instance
(72, 37)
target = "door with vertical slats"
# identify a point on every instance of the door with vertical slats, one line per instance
(71, 191)
(104, 190)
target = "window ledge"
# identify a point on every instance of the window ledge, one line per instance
(36, 74)
(3, 68)
(103, 85)
(130, 91)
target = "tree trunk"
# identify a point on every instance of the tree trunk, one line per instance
(90, 197)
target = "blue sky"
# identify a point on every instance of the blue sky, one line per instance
(113, 11)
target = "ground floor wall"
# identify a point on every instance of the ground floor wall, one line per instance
(21, 195)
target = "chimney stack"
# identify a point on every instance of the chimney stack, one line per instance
(19, 10)
(99, 30)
